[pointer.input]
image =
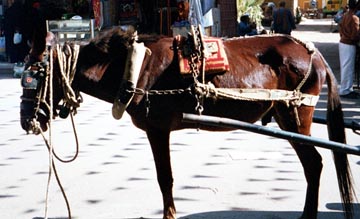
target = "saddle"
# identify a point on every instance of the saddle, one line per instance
(216, 61)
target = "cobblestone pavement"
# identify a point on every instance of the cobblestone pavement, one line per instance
(224, 175)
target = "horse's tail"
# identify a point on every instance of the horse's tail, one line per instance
(336, 130)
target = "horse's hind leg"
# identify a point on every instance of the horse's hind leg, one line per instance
(309, 157)
(159, 141)
(311, 162)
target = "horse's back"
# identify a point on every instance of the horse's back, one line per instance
(268, 60)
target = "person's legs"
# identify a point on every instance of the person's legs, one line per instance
(347, 67)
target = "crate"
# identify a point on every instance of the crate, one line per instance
(76, 29)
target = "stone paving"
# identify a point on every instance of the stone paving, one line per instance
(223, 175)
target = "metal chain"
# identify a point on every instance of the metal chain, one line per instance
(197, 56)
(160, 92)
(148, 93)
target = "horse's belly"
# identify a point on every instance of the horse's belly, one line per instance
(247, 111)
(169, 114)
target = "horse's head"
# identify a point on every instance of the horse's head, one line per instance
(46, 84)
(48, 90)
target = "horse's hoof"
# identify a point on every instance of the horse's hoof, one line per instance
(305, 217)
(171, 214)
(170, 217)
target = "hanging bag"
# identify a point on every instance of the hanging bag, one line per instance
(17, 38)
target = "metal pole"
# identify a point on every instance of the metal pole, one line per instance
(92, 28)
(353, 125)
(231, 123)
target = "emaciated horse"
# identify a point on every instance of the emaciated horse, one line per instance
(162, 94)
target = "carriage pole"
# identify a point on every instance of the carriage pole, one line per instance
(231, 123)
(353, 125)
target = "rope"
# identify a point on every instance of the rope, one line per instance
(67, 74)
(50, 145)
(52, 168)
(67, 69)
(256, 94)
(296, 104)
(307, 73)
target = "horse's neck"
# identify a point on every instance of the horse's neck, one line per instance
(96, 72)
(93, 83)
(103, 81)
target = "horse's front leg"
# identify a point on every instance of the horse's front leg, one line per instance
(159, 141)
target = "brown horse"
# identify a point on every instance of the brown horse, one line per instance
(162, 94)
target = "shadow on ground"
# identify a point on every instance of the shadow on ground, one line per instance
(336, 213)
(258, 215)
(248, 214)
(7, 75)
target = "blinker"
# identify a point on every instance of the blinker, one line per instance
(30, 79)
(64, 112)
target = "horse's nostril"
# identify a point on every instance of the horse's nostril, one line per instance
(30, 125)
(64, 112)
(28, 115)
(25, 124)
(26, 112)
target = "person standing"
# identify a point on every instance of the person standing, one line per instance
(283, 20)
(349, 37)
(16, 47)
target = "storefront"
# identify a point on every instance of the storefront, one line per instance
(218, 17)
(2, 37)
(160, 16)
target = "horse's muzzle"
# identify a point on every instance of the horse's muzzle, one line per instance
(32, 120)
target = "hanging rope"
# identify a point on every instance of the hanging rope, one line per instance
(67, 71)
(67, 62)
(50, 145)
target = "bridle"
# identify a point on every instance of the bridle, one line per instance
(36, 81)
(33, 82)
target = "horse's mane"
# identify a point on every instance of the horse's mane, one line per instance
(109, 45)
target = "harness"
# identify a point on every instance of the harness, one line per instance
(67, 58)
(34, 94)
(201, 90)
(134, 59)
(36, 81)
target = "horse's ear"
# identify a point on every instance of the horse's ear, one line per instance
(135, 36)
(50, 39)
(38, 43)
